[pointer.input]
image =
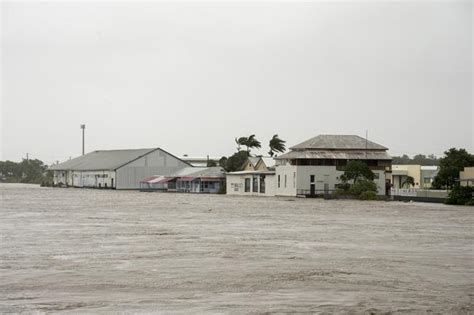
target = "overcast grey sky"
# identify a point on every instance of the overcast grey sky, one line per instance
(191, 77)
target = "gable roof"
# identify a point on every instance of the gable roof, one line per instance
(338, 142)
(107, 160)
(254, 160)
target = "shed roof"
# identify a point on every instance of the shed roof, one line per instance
(336, 155)
(338, 142)
(251, 173)
(106, 160)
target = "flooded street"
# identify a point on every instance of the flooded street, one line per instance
(81, 250)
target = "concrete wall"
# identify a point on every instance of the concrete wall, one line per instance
(286, 180)
(155, 163)
(94, 179)
(412, 170)
(466, 177)
(325, 177)
(85, 178)
(236, 185)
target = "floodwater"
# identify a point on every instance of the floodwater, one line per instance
(89, 251)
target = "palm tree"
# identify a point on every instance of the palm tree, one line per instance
(276, 145)
(252, 142)
(241, 141)
(409, 181)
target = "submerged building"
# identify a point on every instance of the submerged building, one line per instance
(423, 176)
(189, 179)
(117, 169)
(314, 166)
(254, 179)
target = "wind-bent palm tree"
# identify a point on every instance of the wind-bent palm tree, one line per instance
(276, 145)
(252, 142)
(241, 141)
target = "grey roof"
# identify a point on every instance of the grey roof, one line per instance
(107, 160)
(336, 155)
(252, 173)
(215, 171)
(338, 142)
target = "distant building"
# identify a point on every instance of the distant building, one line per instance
(423, 176)
(199, 161)
(314, 167)
(118, 169)
(189, 179)
(466, 177)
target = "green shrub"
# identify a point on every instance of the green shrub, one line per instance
(341, 192)
(222, 189)
(368, 195)
(461, 195)
(362, 186)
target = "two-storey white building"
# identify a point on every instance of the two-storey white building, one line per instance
(314, 167)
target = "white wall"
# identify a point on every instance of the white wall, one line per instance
(236, 185)
(85, 178)
(289, 186)
(323, 175)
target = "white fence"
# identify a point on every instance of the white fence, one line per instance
(424, 193)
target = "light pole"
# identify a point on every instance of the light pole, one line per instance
(83, 127)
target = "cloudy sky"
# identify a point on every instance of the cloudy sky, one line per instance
(190, 77)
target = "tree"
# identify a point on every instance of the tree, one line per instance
(276, 145)
(240, 142)
(356, 170)
(451, 164)
(223, 162)
(419, 159)
(252, 142)
(235, 162)
(211, 163)
(409, 181)
(27, 171)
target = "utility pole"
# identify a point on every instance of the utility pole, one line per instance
(83, 127)
(27, 157)
(366, 142)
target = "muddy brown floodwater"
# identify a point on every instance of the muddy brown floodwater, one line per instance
(80, 250)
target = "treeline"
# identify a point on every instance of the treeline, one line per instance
(419, 159)
(27, 171)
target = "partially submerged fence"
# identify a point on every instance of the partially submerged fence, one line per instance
(426, 195)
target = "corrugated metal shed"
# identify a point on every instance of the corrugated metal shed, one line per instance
(108, 160)
(335, 142)
(336, 155)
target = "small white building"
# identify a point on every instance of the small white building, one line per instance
(251, 183)
(118, 169)
(314, 167)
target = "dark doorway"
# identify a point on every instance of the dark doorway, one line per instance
(312, 189)
(111, 183)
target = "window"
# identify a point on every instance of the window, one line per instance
(376, 175)
(247, 185)
(255, 184)
(285, 180)
(294, 179)
(262, 184)
(427, 180)
(278, 181)
(311, 178)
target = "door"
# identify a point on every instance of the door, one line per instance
(312, 189)
(111, 183)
